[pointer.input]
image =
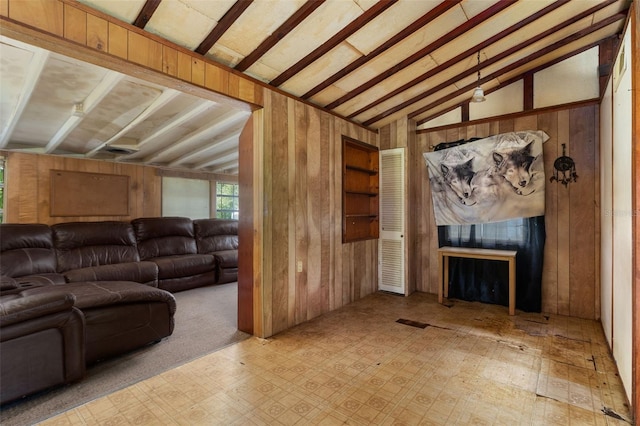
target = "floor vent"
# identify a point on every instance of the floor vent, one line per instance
(412, 323)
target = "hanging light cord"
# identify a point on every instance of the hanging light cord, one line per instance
(478, 68)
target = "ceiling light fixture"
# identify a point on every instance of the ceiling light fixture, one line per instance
(478, 93)
(78, 110)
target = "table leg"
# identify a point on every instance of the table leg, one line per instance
(512, 286)
(446, 276)
(440, 260)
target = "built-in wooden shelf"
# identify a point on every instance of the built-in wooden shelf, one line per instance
(360, 191)
(362, 169)
(367, 193)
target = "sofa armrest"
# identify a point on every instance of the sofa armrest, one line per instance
(42, 342)
(40, 280)
(17, 308)
(226, 258)
(7, 283)
(139, 272)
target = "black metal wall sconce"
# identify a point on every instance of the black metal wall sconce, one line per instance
(564, 169)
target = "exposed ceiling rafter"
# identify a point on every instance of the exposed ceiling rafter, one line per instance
(165, 97)
(296, 19)
(420, 54)
(341, 36)
(95, 97)
(218, 125)
(146, 13)
(223, 157)
(205, 149)
(36, 66)
(472, 50)
(223, 167)
(170, 125)
(404, 33)
(501, 56)
(223, 25)
(540, 53)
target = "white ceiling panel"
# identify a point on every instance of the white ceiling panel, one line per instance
(320, 26)
(181, 23)
(385, 26)
(212, 9)
(63, 83)
(475, 7)
(255, 25)
(123, 104)
(321, 69)
(125, 10)
(407, 47)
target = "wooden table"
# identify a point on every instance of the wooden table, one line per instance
(444, 253)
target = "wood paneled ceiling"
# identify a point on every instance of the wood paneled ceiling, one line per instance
(371, 61)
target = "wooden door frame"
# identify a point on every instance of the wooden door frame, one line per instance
(250, 226)
(635, 173)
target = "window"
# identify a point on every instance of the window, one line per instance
(227, 200)
(186, 197)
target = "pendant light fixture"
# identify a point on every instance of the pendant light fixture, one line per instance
(478, 93)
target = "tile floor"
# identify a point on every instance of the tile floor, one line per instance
(471, 364)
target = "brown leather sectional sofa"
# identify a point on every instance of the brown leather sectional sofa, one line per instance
(72, 294)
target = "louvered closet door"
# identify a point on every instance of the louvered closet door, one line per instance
(392, 218)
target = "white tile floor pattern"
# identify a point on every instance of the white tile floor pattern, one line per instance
(471, 365)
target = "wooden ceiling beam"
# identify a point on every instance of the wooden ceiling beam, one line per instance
(527, 98)
(101, 91)
(506, 53)
(223, 25)
(146, 13)
(334, 41)
(467, 53)
(406, 32)
(32, 77)
(420, 54)
(524, 61)
(606, 59)
(294, 20)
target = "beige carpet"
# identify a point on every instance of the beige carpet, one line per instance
(205, 321)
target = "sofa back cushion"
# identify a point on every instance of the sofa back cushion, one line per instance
(214, 235)
(84, 244)
(26, 249)
(164, 236)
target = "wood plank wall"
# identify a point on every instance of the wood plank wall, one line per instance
(571, 277)
(28, 187)
(302, 217)
(94, 33)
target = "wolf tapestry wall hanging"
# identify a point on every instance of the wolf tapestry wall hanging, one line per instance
(490, 180)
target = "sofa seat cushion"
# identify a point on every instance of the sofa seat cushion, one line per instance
(140, 272)
(184, 265)
(226, 258)
(93, 294)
